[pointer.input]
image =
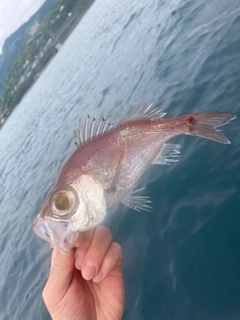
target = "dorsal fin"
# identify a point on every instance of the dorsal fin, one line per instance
(144, 111)
(91, 129)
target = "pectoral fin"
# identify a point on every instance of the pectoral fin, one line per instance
(135, 202)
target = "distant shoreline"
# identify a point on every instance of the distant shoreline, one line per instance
(57, 41)
(50, 60)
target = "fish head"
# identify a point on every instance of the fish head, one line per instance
(70, 209)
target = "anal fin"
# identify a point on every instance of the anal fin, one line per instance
(137, 202)
(169, 153)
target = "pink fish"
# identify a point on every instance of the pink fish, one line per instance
(108, 163)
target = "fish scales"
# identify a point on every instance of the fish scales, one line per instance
(143, 141)
(106, 167)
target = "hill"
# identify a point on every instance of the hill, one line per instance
(15, 42)
(47, 38)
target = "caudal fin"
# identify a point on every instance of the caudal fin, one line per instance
(205, 124)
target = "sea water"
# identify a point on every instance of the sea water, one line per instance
(182, 260)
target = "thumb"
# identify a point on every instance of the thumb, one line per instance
(62, 267)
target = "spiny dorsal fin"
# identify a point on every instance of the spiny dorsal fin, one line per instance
(135, 202)
(169, 153)
(87, 132)
(90, 129)
(144, 112)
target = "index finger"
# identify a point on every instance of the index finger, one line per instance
(82, 245)
(84, 237)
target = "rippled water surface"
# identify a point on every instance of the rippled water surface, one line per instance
(181, 261)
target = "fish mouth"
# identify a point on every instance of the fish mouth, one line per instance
(55, 233)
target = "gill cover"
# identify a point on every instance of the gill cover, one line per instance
(70, 209)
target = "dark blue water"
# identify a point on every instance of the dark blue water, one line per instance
(181, 261)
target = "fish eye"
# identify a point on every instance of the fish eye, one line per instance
(63, 202)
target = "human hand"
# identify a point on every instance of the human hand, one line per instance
(86, 283)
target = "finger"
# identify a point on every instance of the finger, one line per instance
(83, 237)
(94, 257)
(113, 258)
(62, 266)
(78, 242)
(83, 244)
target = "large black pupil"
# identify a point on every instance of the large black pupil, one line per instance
(62, 203)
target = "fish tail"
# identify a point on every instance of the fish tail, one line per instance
(204, 125)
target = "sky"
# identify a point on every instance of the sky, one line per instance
(13, 13)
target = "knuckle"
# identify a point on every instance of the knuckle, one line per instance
(117, 247)
(83, 249)
(102, 238)
(104, 232)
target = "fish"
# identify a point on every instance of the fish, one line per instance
(107, 164)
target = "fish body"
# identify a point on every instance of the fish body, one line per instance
(108, 163)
